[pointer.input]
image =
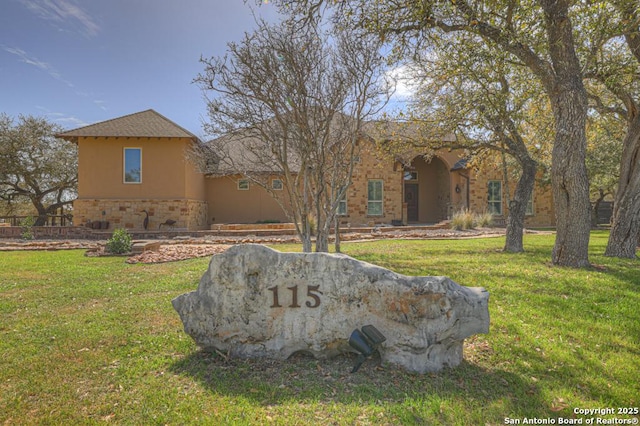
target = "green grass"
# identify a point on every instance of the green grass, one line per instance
(94, 340)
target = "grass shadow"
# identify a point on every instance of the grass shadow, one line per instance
(303, 379)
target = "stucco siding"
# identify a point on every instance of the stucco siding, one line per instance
(228, 204)
(195, 181)
(100, 171)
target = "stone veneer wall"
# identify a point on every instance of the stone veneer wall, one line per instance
(47, 232)
(127, 213)
(543, 208)
(372, 166)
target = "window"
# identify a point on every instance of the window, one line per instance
(132, 165)
(276, 184)
(529, 210)
(410, 175)
(374, 200)
(495, 197)
(243, 185)
(342, 205)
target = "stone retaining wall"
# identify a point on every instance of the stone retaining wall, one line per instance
(48, 232)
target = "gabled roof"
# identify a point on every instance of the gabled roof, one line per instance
(244, 151)
(140, 124)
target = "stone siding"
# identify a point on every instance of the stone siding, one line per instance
(127, 213)
(374, 166)
(47, 232)
(543, 208)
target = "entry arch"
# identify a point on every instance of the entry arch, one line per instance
(427, 190)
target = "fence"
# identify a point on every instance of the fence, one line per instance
(52, 220)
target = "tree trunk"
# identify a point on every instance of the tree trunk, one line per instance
(304, 233)
(323, 224)
(306, 243)
(518, 208)
(570, 183)
(322, 241)
(337, 231)
(569, 179)
(41, 220)
(625, 227)
(596, 208)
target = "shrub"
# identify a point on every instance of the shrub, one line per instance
(120, 242)
(484, 220)
(27, 228)
(462, 219)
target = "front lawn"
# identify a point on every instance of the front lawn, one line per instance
(94, 340)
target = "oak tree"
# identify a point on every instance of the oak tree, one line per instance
(615, 70)
(36, 166)
(486, 103)
(539, 34)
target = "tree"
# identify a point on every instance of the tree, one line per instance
(604, 150)
(36, 166)
(616, 69)
(537, 34)
(289, 102)
(477, 95)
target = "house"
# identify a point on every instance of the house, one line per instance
(135, 163)
(141, 162)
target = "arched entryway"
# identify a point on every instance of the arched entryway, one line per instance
(427, 190)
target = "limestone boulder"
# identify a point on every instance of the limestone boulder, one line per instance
(256, 302)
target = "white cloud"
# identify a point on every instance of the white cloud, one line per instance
(32, 60)
(66, 121)
(24, 57)
(63, 11)
(71, 122)
(404, 80)
(100, 104)
(49, 69)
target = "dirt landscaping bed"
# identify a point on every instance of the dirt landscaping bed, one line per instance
(186, 247)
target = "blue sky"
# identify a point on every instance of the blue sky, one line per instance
(81, 62)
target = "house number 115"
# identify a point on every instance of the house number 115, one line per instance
(313, 293)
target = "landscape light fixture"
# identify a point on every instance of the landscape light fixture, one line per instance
(365, 342)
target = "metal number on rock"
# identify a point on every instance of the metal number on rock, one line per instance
(313, 293)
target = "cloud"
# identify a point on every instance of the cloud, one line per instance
(31, 60)
(71, 122)
(404, 80)
(49, 69)
(66, 121)
(100, 104)
(63, 11)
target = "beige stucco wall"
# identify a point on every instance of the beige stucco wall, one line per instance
(434, 189)
(171, 187)
(228, 204)
(165, 170)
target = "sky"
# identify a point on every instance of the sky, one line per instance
(81, 62)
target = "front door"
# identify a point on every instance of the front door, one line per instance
(411, 198)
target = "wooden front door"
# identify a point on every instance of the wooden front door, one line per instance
(411, 198)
